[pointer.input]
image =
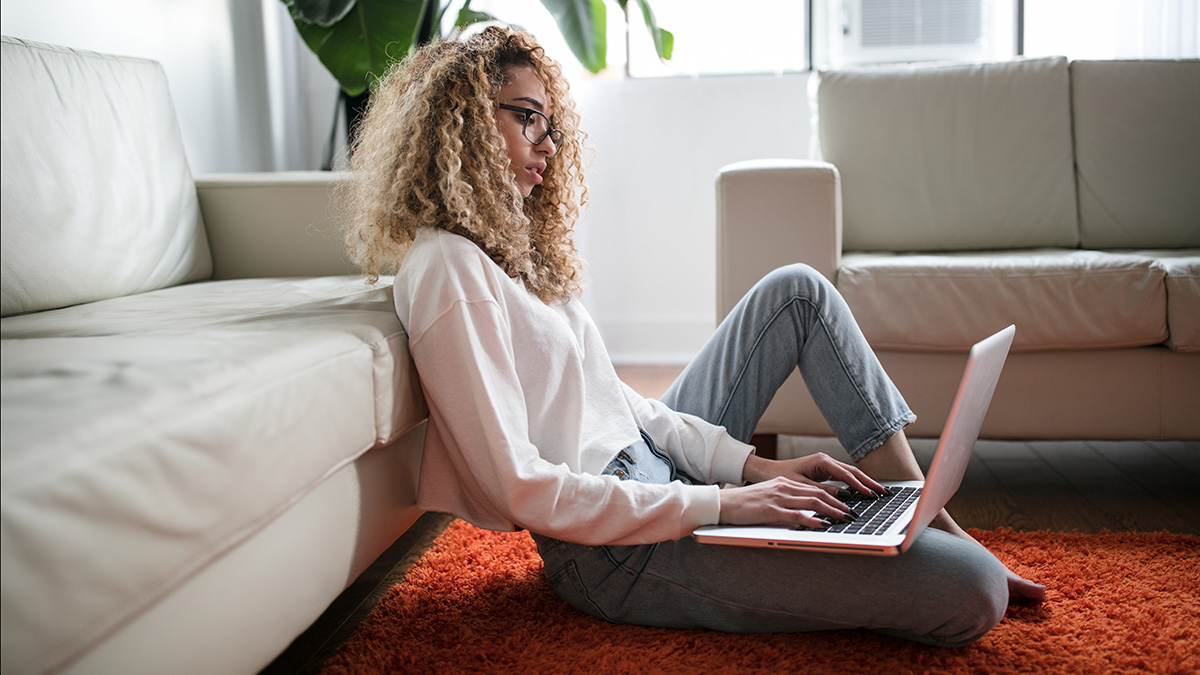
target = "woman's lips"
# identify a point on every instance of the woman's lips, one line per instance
(535, 174)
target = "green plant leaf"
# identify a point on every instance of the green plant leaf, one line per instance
(583, 25)
(466, 17)
(664, 40)
(321, 12)
(429, 26)
(364, 42)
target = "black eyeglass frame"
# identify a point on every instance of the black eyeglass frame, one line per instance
(555, 135)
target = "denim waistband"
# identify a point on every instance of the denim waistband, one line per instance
(645, 463)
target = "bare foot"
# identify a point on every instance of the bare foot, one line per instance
(894, 460)
(1019, 588)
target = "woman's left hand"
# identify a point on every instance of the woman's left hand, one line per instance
(814, 470)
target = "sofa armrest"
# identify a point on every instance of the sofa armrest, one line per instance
(771, 213)
(277, 224)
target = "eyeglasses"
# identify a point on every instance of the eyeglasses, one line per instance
(534, 125)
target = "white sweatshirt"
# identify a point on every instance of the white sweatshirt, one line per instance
(526, 410)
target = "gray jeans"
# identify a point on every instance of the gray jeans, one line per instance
(944, 590)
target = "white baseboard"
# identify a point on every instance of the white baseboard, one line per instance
(657, 340)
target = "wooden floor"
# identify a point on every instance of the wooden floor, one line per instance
(1084, 486)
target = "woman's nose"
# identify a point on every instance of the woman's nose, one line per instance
(547, 147)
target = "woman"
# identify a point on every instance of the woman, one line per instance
(467, 174)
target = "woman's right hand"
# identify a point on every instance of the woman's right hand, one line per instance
(781, 501)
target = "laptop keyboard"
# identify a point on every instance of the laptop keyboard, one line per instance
(875, 515)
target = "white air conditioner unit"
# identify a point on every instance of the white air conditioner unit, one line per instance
(889, 31)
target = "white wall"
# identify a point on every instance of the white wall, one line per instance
(224, 86)
(649, 232)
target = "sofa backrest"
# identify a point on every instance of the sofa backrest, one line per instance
(1137, 153)
(952, 157)
(98, 200)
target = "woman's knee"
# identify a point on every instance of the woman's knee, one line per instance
(796, 274)
(981, 590)
(959, 591)
(792, 281)
(976, 619)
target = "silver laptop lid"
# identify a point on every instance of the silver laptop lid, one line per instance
(975, 390)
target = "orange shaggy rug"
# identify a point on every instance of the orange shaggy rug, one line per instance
(477, 602)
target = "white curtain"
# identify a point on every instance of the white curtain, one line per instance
(1112, 29)
(284, 97)
(301, 96)
(249, 94)
(1157, 29)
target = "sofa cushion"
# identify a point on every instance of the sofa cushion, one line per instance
(952, 157)
(1058, 299)
(1137, 140)
(98, 200)
(146, 435)
(1183, 295)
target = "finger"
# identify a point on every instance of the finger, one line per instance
(833, 490)
(876, 486)
(806, 518)
(822, 467)
(798, 519)
(858, 481)
(805, 494)
(812, 522)
(823, 503)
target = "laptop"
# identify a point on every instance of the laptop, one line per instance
(902, 517)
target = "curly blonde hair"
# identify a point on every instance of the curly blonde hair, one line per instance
(428, 154)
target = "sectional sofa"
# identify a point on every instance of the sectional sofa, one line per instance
(210, 426)
(949, 201)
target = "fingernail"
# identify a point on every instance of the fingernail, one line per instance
(844, 494)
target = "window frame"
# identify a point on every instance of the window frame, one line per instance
(809, 43)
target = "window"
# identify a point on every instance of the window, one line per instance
(862, 32)
(1111, 29)
(712, 38)
(764, 36)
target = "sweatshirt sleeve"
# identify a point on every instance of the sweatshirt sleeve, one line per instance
(467, 369)
(701, 449)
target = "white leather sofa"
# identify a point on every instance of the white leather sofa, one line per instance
(950, 201)
(210, 428)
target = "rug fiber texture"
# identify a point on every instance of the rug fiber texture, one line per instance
(477, 602)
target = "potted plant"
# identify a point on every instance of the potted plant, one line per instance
(356, 40)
